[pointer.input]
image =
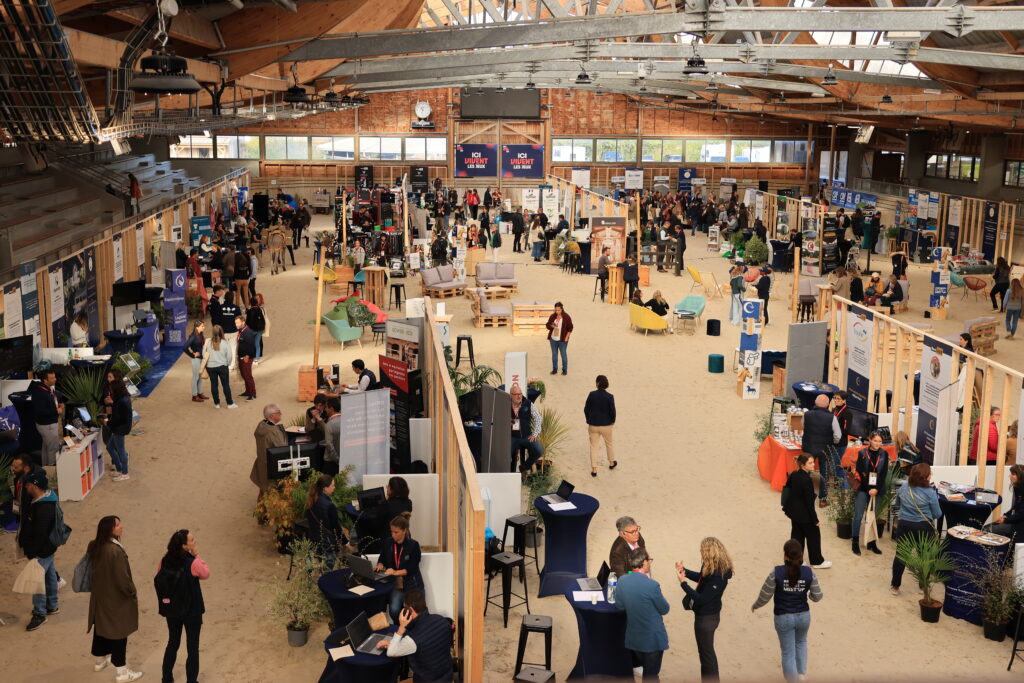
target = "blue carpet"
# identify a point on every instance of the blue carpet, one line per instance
(168, 357)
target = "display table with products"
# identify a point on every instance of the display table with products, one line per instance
(122, 342)
(807, 392)
(967, 512)
(967, 548)
(602, 629)
(79, 468)
(346, 605)
(360, 667)
(565, 543)
(776, 459)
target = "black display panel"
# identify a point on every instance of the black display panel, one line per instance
(490, 103)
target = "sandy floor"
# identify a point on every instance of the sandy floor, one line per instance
(685, 446)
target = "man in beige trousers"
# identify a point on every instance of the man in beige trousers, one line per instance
(600, 413)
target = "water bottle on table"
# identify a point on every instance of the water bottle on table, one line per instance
(613, 581)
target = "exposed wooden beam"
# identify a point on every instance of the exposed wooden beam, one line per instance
(93, 50)
(1010, 40)
(262, 83)
(186, 27)
(65, 6)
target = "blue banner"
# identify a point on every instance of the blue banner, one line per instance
(472, 161)
(851, 199)
(686, 176)
(200, 227)
(29, 299)
(990, 227)
(522, 161)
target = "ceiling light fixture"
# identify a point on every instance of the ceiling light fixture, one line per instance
(163, 72)
(711, 86)
(582, 78)
(782, 98)
(886, 98)
(830, 78)
(296, 95)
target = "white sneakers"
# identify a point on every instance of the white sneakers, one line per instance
(124, 675)
(893, 590)
(101, 663)
(61, 583)
(216, 405)
(824, 565)
(121, 477)
(232, 405)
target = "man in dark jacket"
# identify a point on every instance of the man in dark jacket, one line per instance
(47, 409)
(764, 288)
(426, 639)
(216, 306)
(35, 542)
(246, 353)
(628, 540)
(821, 436)
(599, 410)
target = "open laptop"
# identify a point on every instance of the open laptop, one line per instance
(362, 637)
(596, 584)
(565, 490)
(362, 568)
(370, 498)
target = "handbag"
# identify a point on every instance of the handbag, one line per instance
(868, 528)
(81, 582)
(31, 580)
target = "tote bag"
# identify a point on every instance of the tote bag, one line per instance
(31, 580)
(868, 528)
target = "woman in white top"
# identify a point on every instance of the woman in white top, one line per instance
(218, 360)
(79, 330)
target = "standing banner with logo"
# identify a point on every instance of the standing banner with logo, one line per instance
(79, 281)
(989, 228)
(634, 179)
(522, 161)
(418, 179)
(118, 257)
(859, 329)
(685, 180)
(13, 326)
(476, 160)
(726, 186)
(953, 217)
(530, 199)
(55, 278)
(936, 357)
(30, 299)
(364, 177)
(750, 346)
(549, 200)
(140, 249)
(581, 178)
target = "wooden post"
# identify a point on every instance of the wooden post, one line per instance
(965, 421)
(344, 224)
(982, 445)
(794, 304)
(319, 310)
(831, 159)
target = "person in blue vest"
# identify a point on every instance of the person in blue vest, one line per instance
(367, 380)
(400, 557)
(789, 585)
(640, 597)
(526, 427)
(426, 639)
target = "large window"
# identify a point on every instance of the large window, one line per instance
(568, 149)
(616, 149)
(290, 147)
(668, 150)
(751, 151)
(333, 148)
(238, 147)
(380, 149)
(1013, 174)
(789, 151)
(825, 163)
(953, 166)
(426, 149)
(193, 147)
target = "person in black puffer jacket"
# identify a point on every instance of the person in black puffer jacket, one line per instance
(183, 556)
(800, 509)
(706, 600)
(322, 516)
(119, 422)
(426, 639)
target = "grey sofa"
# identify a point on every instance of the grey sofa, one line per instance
(441, 282)
(497, 275)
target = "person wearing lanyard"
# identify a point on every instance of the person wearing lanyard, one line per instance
(872, 467)
(559, 328)
(526, 426)
(400, 557)
(47, 410)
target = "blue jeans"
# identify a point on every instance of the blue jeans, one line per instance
(41, 604)
(860, 504)
(538, 250)
(792, 630)
(1012, 317)
(559, 347)
(533, 450)
(197, 379)
(395, 601)
(259, 345)
(829, 466)
(115, 446)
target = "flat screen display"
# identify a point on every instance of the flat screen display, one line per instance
(490, 103)
(16, 355)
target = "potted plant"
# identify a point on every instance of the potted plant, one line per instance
(276, 509)
(884, 498)
(755, 251)
(83, 387)
(929, 562)
(840, 509)
(538, 385)
(998, 595)
(298, 603)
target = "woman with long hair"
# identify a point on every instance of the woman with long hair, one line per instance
(322, 516)
(113, 601)
(559, 328)
(871, 469)
(194, 350)
(400, 557)
(119, 422)
(705, 600)
(907, 454)
(1013, 303)
(918, 506)
(1012, 523)
(789, 585)
(1000, 283)
(182, 559)
(78, 331)
(658, 304)
(800, 508)
(736, 287)
(218, 359)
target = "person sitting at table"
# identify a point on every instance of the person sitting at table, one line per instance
(658, 304)
(856, 286)
(400, 558)
(79, 330)
(870, 471)
(373, 525)
(426, 639)
(332, 435)
(603, 262)
(874, 289)
(628, 540)
(367, 380)
(526, 426)
(907, 454)
(893, 293)
(637, 297)
(992, 448)
(640, 597)
(1012, 523)
(918, 506)
(316, 418)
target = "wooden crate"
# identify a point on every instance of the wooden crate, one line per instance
(443, 293)
(473, 257)
(307, 381)
(984, 335)
(491, 321)
(531, 319)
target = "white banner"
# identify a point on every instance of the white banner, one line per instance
(140, 250)
(956, 205)
(581, 177)
(29, 287)
(549, 197)
(759, 206)
(56, 276)
(365, 426)
(634, 179)
(118, 258)
(12, 310)
(531, 198)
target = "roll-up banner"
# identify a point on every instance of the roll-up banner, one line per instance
(859, 328)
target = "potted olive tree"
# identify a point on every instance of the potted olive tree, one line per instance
(929, 562)
(298, 603)
(840, 508)
(997, 593)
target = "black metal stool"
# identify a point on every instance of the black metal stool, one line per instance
(534, 623)
(520, 524)
(352, 286)
(379, 330)
(534, 675)
(468, 338)
(597, 288)
(506, 561)
(397, 293)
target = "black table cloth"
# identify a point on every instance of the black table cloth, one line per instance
(565, 543)
(961, 594)
(602, 629)
(966, 513)
(122, 342)
(347, 605)
(807, 392)
(359, 668)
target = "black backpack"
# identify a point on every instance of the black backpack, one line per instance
(494, 546)
(172, 591)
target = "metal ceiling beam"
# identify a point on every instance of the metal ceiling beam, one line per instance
(957, 21)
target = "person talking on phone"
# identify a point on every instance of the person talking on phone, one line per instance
(400, 558)
(426, 639)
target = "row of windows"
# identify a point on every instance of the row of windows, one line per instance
(953, 166)
(1013, 174)
(678, 150)
(315, 148)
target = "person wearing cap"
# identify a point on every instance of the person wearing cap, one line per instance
(37, 524)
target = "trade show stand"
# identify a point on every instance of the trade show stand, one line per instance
(502, 494)
(438, 572)
(79, 468)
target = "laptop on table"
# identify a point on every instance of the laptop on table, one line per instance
(371, 498)
(596, 584)
(362, 568)
(362, 637)
(565, 490)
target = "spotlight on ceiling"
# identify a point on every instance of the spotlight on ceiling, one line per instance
(782, 98)
(886, 98)
(711, 86)
(695, 66)
(164, 73)
(296, 95)
(917, 124)
(582, 78)
(830, 78)
(530, 85)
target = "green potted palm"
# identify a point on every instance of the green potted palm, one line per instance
(298, 603)
(929, 562)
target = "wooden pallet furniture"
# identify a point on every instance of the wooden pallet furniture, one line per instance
(530, 319)
(486, 315)
(984, 332)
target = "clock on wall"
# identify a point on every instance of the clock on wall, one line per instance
(422, 109)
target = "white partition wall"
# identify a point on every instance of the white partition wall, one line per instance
(503, 498)
(424, 496)
(438, 571)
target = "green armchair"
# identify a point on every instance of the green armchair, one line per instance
(342, 331)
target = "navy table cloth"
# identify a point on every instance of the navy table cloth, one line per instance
(565, 543)
(966, 513)
(360, 668)
(962, 599)
(347, 605)
(602, 630)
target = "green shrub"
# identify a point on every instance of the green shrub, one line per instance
(756, 251)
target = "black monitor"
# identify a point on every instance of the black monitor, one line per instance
(862, 423)
(128, 293)
(16, 355)
(370, 498)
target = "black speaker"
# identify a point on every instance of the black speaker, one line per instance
(762, 185)
(261, 208)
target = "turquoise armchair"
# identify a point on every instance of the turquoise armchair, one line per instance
(342, 331)
(692, 302)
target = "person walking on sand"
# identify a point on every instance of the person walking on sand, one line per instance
(599, 411)
(113, 601)
(183, 564)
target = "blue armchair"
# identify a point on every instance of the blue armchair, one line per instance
(342, 331)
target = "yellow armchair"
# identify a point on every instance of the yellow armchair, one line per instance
(645, 319)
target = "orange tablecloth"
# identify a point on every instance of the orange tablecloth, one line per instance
(775, 461)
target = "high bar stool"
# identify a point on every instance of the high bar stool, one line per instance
(397, 293)
(597, 287)
(506, 561)
(468, 338)
(534, 623)
(379, 330)
(520, 524)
